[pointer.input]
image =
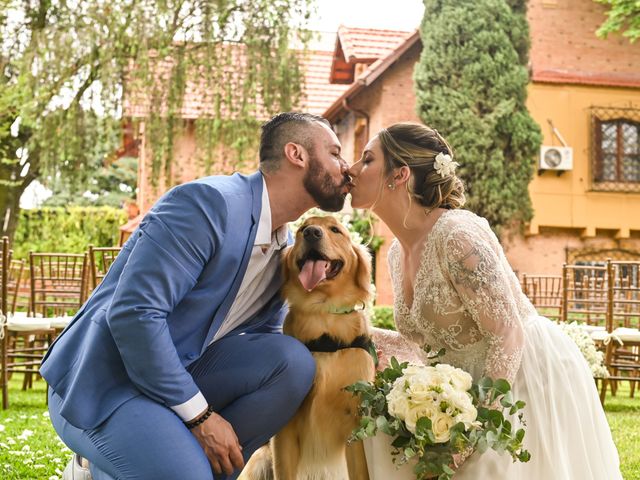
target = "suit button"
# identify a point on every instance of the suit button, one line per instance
(192, 356)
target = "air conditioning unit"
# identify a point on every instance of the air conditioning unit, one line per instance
(555, 158)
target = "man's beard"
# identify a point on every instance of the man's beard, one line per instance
(321, 187)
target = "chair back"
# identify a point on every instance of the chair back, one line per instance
(100, 259)
(624, 278)
(545, 293)
(14, 282)
(58, 282)
(585, 294)
(5, 259)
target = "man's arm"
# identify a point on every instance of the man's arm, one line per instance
(177, 240)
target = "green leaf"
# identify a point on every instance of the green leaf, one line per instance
(447, 470)
(383, 425)
(502, 386)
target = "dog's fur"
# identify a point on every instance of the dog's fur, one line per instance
(313, 445)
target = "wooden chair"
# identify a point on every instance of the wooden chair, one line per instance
(58, 289)
(545, 293)
(18, 332)
(622, 354)
(585, 294)
(58, 283)
(100, 259)
(14, 282)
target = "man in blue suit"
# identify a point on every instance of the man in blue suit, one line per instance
(175, 368)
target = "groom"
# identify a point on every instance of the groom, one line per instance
(175, 367)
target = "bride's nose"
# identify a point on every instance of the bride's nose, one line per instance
(355, 169)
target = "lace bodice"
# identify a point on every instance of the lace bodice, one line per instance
(466, 298)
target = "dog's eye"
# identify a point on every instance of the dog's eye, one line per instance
(335, 230)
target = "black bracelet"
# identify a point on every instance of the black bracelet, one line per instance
(199, 421)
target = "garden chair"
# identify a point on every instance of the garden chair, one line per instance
(545, 293)
(58, 289)
(17, 331)
(100, 259)
(585, 295)
(622, 354)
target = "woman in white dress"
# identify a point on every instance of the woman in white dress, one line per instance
(454, 289)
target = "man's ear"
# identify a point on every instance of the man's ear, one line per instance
(295, 154)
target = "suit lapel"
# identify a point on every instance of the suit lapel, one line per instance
(255, 181)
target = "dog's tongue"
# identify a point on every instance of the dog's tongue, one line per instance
(312, 273)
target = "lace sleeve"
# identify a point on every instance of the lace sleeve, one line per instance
(478, 275)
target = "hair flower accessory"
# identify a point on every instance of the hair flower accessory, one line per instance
(444, 164)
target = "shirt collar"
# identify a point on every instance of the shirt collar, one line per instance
(263, 235)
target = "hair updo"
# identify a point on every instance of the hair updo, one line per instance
(416, 146)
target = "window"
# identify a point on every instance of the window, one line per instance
(616, 149)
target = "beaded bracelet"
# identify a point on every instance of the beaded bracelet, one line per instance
(199, 421)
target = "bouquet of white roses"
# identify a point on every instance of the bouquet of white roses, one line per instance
(587, 347)
(435, 414)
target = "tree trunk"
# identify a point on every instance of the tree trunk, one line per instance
(10, 194)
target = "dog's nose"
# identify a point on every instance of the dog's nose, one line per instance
(312, 234)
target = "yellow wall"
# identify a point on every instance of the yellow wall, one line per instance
(566, 201)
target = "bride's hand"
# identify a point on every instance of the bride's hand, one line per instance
(383, 360)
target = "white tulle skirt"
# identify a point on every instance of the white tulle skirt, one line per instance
(567, 432)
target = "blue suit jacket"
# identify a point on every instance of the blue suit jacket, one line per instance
(161, 302)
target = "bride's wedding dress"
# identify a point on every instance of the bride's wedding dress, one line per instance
(468, 300)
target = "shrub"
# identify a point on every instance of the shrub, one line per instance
(66, 230)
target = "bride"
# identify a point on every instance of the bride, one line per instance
(453, 288)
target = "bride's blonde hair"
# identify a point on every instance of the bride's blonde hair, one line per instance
(416, 146)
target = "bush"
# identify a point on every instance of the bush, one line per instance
(471, 84)
(383, 317)
(66, 230)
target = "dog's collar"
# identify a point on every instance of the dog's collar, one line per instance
(335, 310)
(328, 344)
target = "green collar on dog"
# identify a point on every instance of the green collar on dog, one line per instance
(335, 310)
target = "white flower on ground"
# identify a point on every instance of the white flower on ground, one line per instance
(2, 428)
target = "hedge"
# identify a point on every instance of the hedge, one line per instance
(66, 230)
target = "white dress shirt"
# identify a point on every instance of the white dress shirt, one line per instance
(256, 289)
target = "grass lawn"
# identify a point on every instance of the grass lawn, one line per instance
(31, 450)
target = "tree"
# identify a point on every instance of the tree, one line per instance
(623, 15)
(471, 84)
(66, 69)
(110, 185)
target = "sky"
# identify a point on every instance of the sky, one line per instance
(389, 14)
(384, 14)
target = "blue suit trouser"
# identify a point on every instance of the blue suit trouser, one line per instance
(255, 381)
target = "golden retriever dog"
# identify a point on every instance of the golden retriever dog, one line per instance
(327, 285)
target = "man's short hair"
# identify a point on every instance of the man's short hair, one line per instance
(282, 129)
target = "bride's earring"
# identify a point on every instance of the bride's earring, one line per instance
(391, 186)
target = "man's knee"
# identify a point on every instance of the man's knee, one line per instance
(296, 366)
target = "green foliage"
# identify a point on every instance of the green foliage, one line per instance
(471, 84)
(362, 223)
(110, 185)
(436, 459)
(67, 230)
(70, 71)
(622, 16)
(383, 317)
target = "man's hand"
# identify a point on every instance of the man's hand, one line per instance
(220, 444)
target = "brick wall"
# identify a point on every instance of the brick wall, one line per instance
(563, 43)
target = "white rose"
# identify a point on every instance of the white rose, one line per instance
(441, 426)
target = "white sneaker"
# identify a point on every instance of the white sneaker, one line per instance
(75, 470)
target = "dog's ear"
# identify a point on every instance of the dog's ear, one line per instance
(284, 261)
(363, 273)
